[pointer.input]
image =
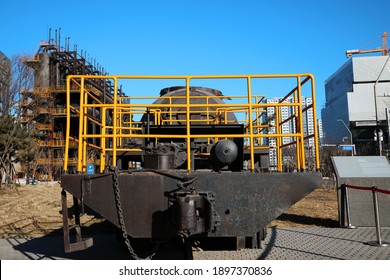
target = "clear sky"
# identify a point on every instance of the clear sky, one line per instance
(202, 37)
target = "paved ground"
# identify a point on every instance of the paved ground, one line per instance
(313, 244)
(280, 244)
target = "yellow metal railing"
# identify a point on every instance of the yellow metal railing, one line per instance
(119, 117)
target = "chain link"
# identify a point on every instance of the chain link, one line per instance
(122, 221)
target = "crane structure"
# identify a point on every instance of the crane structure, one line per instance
(384, 50)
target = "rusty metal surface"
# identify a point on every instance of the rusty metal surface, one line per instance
(80, 243)
(245, 201)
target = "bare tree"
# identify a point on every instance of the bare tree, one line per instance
(21, 79)
(15, 139)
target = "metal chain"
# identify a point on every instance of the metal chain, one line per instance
(122, 221)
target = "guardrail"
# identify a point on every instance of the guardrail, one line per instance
(344, 187)
(121, 125)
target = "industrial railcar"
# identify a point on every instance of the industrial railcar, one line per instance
(192, 163)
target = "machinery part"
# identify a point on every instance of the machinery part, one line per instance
(159, 161)
(225, 151)
(195, 213)
(164, 156)
(198, 146)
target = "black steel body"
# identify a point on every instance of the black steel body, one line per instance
(237, 203)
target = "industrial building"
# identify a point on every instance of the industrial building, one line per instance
(5, 71)
(357, 105)
(44, 109)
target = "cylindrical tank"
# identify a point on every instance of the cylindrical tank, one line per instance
(225, 151)
(200, 95)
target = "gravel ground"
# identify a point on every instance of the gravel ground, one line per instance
(35, 211)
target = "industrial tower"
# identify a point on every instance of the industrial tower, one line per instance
(44, 109)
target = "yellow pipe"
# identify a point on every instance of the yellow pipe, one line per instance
(188, 123)
(81, 126)
(301, 142)
(114, 120)
(103, 141)
(316, 138)
(184, 136)
(125, 150)
(252, 156)
(170, 111)
(67, 132)
(278, 140)
(297, 123)
(85, 131)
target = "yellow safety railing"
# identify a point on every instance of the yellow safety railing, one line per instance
(117, 118)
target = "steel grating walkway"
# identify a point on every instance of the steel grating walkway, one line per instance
(311, 244)
(280, 244)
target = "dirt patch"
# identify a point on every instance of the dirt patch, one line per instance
(35, 211)
(318, 209)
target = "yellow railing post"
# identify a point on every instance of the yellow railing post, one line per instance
(297, 124)
(316, 138)
(301, 137)
(279, 140)
(103, 140)
(81, 126)
(252, 157)
(114, 123)
(85, 128)
(188, 123)
(67, 131)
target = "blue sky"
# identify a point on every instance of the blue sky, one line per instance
(202, 37)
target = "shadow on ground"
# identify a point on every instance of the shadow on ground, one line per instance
(108, 244)
(310, 221)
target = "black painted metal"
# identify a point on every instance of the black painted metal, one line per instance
(243, 202)
(80, 243)
(200, 145)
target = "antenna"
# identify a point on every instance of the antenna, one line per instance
(56, 38)
(59, 37)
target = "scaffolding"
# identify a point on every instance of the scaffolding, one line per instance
(44, 108)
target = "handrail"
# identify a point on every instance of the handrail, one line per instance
(117, 122)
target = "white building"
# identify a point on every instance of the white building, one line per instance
(358, 95)
(288, 127)
(320, 131)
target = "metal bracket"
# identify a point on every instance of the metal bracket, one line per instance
(81, 243)
(195, 212)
